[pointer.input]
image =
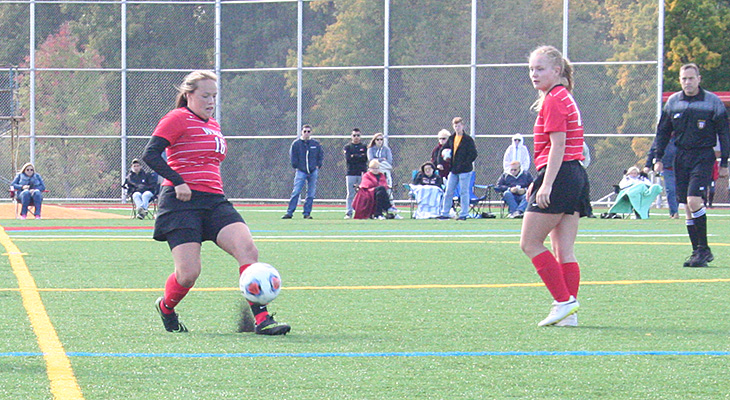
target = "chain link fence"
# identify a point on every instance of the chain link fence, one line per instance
(97, 86)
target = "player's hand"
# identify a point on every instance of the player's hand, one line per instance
(543, 196)
(723, 172)
(658, 167)
(183, 192)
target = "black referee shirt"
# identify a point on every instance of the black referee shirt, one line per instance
(696, 121)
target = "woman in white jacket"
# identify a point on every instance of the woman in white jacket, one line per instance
(517, 151)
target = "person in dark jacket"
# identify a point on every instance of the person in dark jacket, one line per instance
(141, 187)
(29, 187)
(356, 157)
(306, 159)
(513, 185)
(443, 166)
(428, 176)
(698, 121)
(462, 152)
(670, 183)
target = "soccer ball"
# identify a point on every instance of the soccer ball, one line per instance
(260, 283)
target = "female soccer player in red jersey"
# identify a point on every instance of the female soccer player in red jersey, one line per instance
(560, 194)
(192, 207)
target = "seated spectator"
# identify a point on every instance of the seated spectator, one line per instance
(443, 166)
(632, 177)
(513, 185)
(141, 187)
(29, 189)
(428, 176)
(636, 194)
(428, 193)
(372, 199)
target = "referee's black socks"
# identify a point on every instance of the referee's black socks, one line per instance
(699, 220)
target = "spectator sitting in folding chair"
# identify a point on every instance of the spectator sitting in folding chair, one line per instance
(29, 187)
(141, 187)
(427, 190)
(513, 185)
(636, 194)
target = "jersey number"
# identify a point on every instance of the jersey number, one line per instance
(220, 145)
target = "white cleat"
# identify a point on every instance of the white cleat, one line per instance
(560, 311)
(570, 320)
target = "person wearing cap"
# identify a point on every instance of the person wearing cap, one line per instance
(140, 187)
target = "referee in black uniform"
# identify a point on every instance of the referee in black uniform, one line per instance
(698, 119)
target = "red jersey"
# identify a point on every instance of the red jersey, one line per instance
(559, 113)
(196, 149)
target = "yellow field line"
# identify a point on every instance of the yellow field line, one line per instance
(390, 287)
(61, 376)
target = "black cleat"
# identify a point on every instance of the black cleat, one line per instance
(286, 216)
(169, 320)
(271, 327)
(700, 257)
(307, 217)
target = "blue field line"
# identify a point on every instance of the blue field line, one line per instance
(387, 354)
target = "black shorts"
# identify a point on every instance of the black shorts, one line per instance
(571, 191)
(197, 220)
(693, 172)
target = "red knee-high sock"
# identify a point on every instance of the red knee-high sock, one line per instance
(260, 312)
(174, 293)
(571, 274)
(552, 275)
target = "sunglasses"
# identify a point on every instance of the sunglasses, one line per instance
(442, 138)
(355, 135)
(307, 131)
(378, 140)
(29, 169)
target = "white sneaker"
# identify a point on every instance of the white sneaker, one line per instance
(397, 216)
(347, 217)
(570, 320)
(560, 311)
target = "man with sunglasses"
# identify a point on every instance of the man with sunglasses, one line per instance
(306, 158)
(356, 157)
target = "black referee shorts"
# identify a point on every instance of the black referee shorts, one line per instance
(571, 191)
(197, 220)
(693, 172)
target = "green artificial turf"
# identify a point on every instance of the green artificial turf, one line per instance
(379, 310)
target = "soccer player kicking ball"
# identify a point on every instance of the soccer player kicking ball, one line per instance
(192, 206)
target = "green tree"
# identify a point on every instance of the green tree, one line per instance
(696, 31)
(70, 104)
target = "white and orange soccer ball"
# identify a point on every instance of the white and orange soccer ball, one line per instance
(260, 283)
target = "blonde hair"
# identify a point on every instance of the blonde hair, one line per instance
(374, 164)
(26, 165)
(556, 59)
(190, 84)
(443, 133)
(456, 120)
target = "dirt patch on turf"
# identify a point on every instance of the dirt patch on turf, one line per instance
(49, 211)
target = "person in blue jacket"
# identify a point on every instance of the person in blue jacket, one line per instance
(29, 187)
(513, 185)
(306, 159)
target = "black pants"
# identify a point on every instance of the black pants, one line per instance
(382, 201)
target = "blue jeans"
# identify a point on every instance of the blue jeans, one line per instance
(670, 186)
(515, 202)
(299, 179)
(26, 198)
(142, 199)
(463, 181)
